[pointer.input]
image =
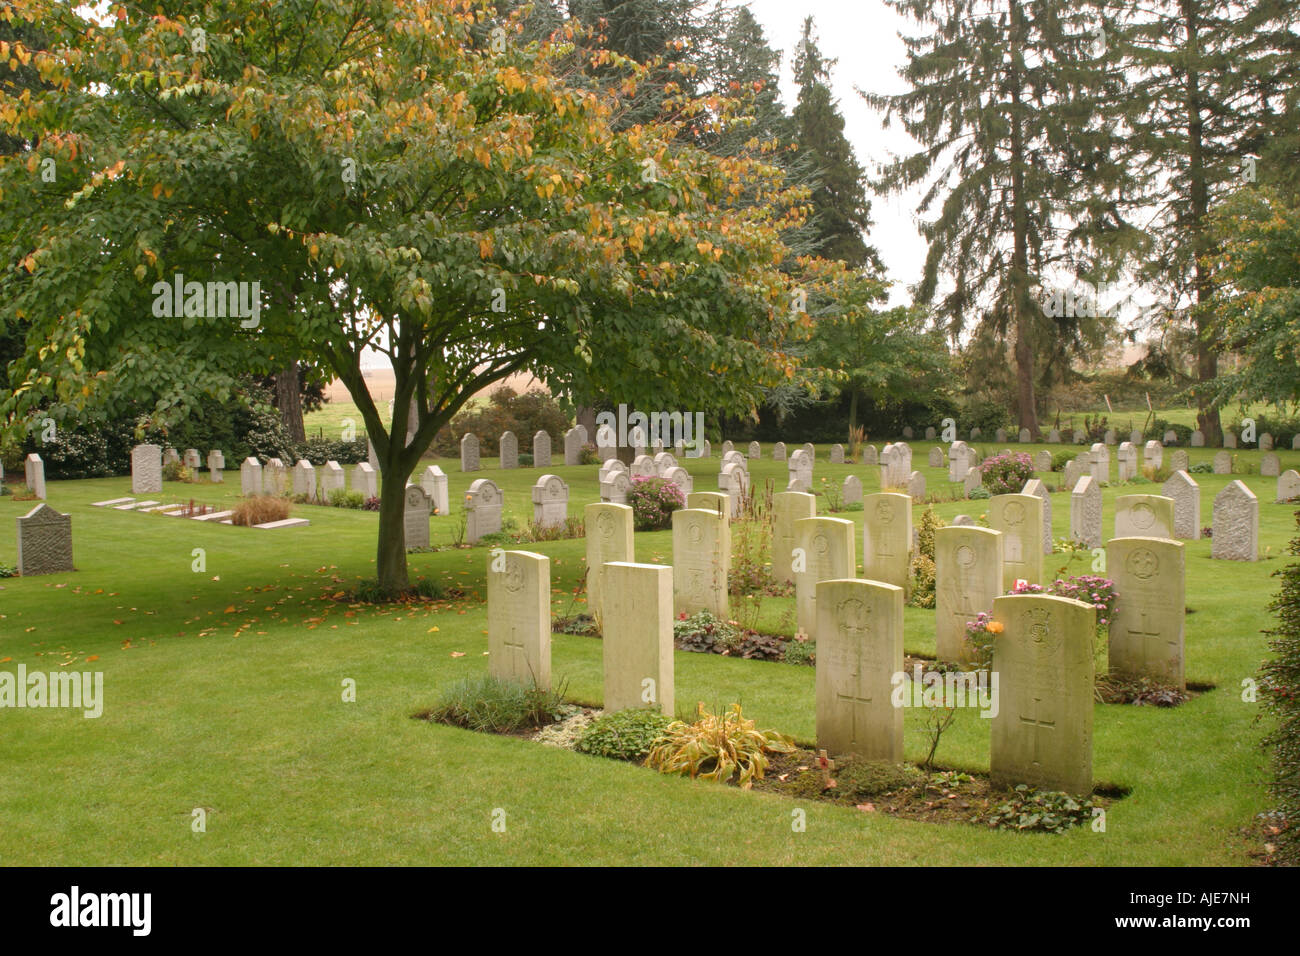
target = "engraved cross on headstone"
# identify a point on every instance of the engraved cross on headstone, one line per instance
(1037, 725)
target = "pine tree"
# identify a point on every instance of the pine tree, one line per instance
(1280, 684)
(1213, 77)
(841, 211)
(1004, 101)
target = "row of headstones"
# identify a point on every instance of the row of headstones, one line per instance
(147, 466)
(272, 478)
(483, 504)
(1044, 657)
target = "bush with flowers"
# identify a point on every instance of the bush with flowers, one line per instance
(1088, 588)
(653, 502)
(980, 632)
(1006, 474)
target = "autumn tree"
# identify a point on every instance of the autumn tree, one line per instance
(396, 175)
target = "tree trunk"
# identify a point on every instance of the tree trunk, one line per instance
(1207, 359)
(390, 559)
(586, 416)
(1020, 257)
(288, 399)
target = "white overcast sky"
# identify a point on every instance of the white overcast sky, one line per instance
(863, 36)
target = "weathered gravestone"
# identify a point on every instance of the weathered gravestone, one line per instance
(550, 502)
(615, 487)
(680, 477)
(968, 576)
(1222, 463)
(332, 479)
(778, 451)
(1100, 463)
(916, 486)
(1146, 633)
(519, 617)
(1054, 437)
(907, 431)
(728, 446)
(714, 501)
(1288, 485)
(192, 460)
(1229, 439)
(1179, 461)
(1135, 437)
(755, 450)
(824, 551)
(810, 450)
(637, 636)
(1020, 519)
(1070, 475)
(609, 538)
(963, 521)
(171, 456)
(1000, 436)
(960, 460)
(1198, 439)
(365, 481)
(936, 457)
(887, 538)
(859, 650)
(701, 561)
(275, 477)
(788, 507)
(799, 468)
(643, 466)
(574, 439)
(1042, 734)
(483, 504)
(1185, 493)
(606, 443)
(416, 517)
(508, 450)
(1110, 437)
(146, 470)
(1085, 513)
(1270, 466)
(974, 480)
(542, 450)
(434, 483)
(1035, 487)
(1144, 516)
(662, 462)
(1127, 462)
(837, 454)
(1170, 437)
(304, 479)
(250, 477)
(216, 465)
(1295, 442)
(1153, 454)
(1266, 442)
(930, 433)
(44, 542)
(1025, 436)
(870, 456)
(851, 493)
(1235, 534)
(469, 458)
(1043, 461)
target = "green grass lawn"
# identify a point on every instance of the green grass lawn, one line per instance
(224, 691)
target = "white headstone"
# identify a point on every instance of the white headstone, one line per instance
(968, 576)
(250, 477)
(365, 480)
(637, 636)
(416, 518)
(483, 504)
(146, 470)
(1146, 635)
(1085, 513)
(469, 456)
(1235, 530)
(609, 538)
(550, 502)
(1186, 496)
(519, 617)
(701, 562)
(434, 483)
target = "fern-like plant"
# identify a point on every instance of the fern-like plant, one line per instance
(717, 747)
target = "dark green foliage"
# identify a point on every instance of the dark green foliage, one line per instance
(624, 734)
(1279, 681)
(703, 633)
(801, 652)
(320, 450)
(1050, 811)
(343, 498)
(525, 415)
(497, 706)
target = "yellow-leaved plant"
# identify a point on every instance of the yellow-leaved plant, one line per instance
(716, 746)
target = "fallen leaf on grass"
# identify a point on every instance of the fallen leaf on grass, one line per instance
(457, 654)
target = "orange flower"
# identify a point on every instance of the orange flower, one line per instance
(995, 627)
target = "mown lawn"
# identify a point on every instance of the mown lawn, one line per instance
(224, 691)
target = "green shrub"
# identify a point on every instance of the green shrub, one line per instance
(861, 779)
(319, 450)
(624, 735)
(1202, 468)
(1030, 809)
(653, 502)
(717, 747)
(1280, 687)
(923, 584)
(8, 571)
(590, 455)
(1006, 474)
(801, 651)
(498, 706)
(342, 498)
(1061, 459)
(925, 529)
(175, 471)
(704, 633)
(980, 493)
